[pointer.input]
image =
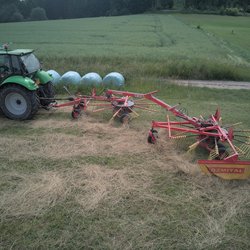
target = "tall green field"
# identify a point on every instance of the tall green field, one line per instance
(233, 33)
(139, 45)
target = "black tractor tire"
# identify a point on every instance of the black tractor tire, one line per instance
(17, 102)
(46, 91)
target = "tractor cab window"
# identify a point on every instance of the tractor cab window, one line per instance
(31, 63)
(15, 65)
(4, 66)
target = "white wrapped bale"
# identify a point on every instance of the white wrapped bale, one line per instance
(114, 79)
(91, 79)
(71, 77)
(56, 76)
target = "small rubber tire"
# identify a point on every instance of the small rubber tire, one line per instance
(152, 137)
(75, 114)
(222, 152)
(125, 118)
(18, 103)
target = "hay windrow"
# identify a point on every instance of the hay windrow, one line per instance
(89, 186)
(94, 139)
(94, 185)
(155, 184)
(33, 195)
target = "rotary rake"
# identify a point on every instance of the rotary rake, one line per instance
(217, 140)
(121, 105)
(225, 144)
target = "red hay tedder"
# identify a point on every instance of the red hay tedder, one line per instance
(217, 140)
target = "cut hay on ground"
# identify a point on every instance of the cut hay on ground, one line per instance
(31, 194)
(151, 195)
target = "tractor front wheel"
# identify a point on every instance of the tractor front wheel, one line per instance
(18, 103)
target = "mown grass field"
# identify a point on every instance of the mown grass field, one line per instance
(88, 184)
(93, 185)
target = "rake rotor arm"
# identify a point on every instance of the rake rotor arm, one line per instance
(194, 121)
(129, 94)
(214, 131)
(173, 126)
(71, 103)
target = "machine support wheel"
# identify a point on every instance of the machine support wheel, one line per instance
(77, 110)
(125, 118)
(222, 152)
(75, 114)
(152, 136)
(17, 102)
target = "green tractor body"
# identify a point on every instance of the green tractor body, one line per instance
(24, 86)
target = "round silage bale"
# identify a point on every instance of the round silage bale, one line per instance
(114, 79)
(71, 77)
(91, 79)
(56, 76)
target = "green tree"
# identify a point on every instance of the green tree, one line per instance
(7, 12)
(37, 14)
(17, 17)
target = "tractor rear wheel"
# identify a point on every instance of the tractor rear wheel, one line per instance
(17, 102)
(46, 91)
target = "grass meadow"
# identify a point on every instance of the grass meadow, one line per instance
(233, 33)
(95, 184)
(140, 45)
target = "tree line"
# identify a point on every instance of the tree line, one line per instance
(231, 7)
(20, 10)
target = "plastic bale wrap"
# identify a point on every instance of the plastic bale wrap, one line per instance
(71, 77)
(56, 76)
(114, 79)
(91, 79)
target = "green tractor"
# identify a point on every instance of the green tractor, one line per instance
(24, 86)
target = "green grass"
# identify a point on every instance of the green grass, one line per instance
(89, 185)
(233, 33)
(162, 45)
(63, 193)
(129, 36)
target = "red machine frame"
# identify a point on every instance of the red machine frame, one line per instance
(210, 135)
(122, 106)
(208, 132)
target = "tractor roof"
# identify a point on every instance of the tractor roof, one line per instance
(17, 52)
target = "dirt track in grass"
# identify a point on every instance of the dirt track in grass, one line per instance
(213, 84)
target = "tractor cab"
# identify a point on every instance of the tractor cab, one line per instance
(24, 86)
(18, 62)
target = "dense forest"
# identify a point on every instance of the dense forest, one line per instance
(241, 5)
(21, 10)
